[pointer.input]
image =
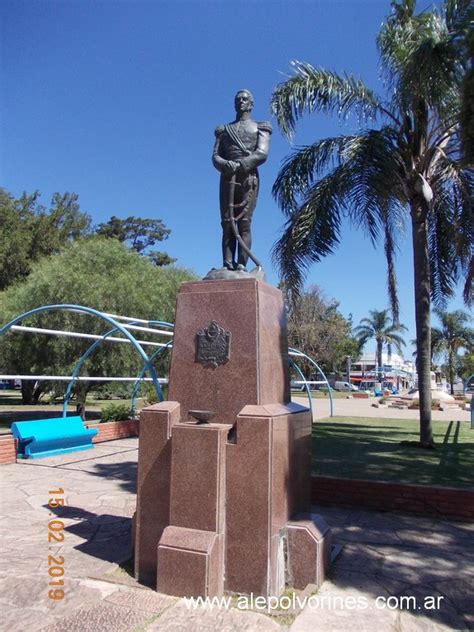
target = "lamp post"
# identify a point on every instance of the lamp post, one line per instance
(348, 371)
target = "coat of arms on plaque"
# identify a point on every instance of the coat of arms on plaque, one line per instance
(213, 345)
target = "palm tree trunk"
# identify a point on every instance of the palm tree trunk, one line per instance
(422, 282)
(379, 357)
(451, 371)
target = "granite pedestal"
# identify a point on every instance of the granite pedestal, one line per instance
(218, 503)
(257, 371)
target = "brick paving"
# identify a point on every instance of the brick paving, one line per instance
(384, 555)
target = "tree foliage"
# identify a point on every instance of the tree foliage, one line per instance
(465, 365)
(453, 335)
(95, 272)
(317, 328)
(402, 166)
(29, 231)
(379, 327)
(139, 233)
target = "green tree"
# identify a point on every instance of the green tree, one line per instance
(380, 327)
(465, 366)
(139, 233)
(405, 167)
(317, 328)
(453, 335)
(28, 231)
(94, 272)
(463, 37)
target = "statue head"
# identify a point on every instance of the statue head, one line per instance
(243, 101)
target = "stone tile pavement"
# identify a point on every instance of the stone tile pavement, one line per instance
(387, 562)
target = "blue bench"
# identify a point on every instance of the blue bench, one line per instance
(50, 437)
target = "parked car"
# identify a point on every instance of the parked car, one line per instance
(345, 386)
(297, 386)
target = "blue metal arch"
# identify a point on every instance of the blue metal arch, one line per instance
(94, 345)
(89, 310)
(306, 386)
(301, 354)
(142, 373)
(466, 383)
(147, 360)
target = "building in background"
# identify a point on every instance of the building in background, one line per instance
(396, 373)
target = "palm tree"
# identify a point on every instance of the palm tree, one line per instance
(453, 335)
(404, 168)
(380, 327)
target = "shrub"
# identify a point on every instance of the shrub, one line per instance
(116, 412)
(147, 391)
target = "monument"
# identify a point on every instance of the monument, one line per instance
(224, 469)
(240, 147)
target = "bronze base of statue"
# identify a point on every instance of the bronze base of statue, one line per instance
(224, 274)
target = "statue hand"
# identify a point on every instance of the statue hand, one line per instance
(231, 167)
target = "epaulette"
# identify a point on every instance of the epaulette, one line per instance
(219, 129)
(265, 126)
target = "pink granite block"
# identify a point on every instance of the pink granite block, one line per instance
(198, 476)
(248, 507)
(309, 550)
(188, 563)
(191, 550)
(257, 370)
(272, 442)
(153, 484)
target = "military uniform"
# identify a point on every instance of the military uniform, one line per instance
(246, 143)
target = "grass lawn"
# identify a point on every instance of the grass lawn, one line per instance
(368, 448)
(321, 394)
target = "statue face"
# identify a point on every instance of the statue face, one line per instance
(243, 101)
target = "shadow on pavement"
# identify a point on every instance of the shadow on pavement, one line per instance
(107, 537)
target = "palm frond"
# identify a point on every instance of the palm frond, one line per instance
(311, 89)
(468, 290)
(375, 164)
(401, 34)
(313, 230)
(421, 61)
(451, 228)
(467, 117)
(301, 168)
(364, 185)
(433, 73)
(379, 326)
(459, 14)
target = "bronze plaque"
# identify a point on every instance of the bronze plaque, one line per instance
(213, 345)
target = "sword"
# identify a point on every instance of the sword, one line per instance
(233, 223)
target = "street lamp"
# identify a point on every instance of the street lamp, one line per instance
(348, 370)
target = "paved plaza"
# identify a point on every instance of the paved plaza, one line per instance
(392, 573)
(353, 407)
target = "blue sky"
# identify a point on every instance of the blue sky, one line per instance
(118, 100)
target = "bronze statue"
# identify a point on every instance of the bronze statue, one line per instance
(240, 147)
